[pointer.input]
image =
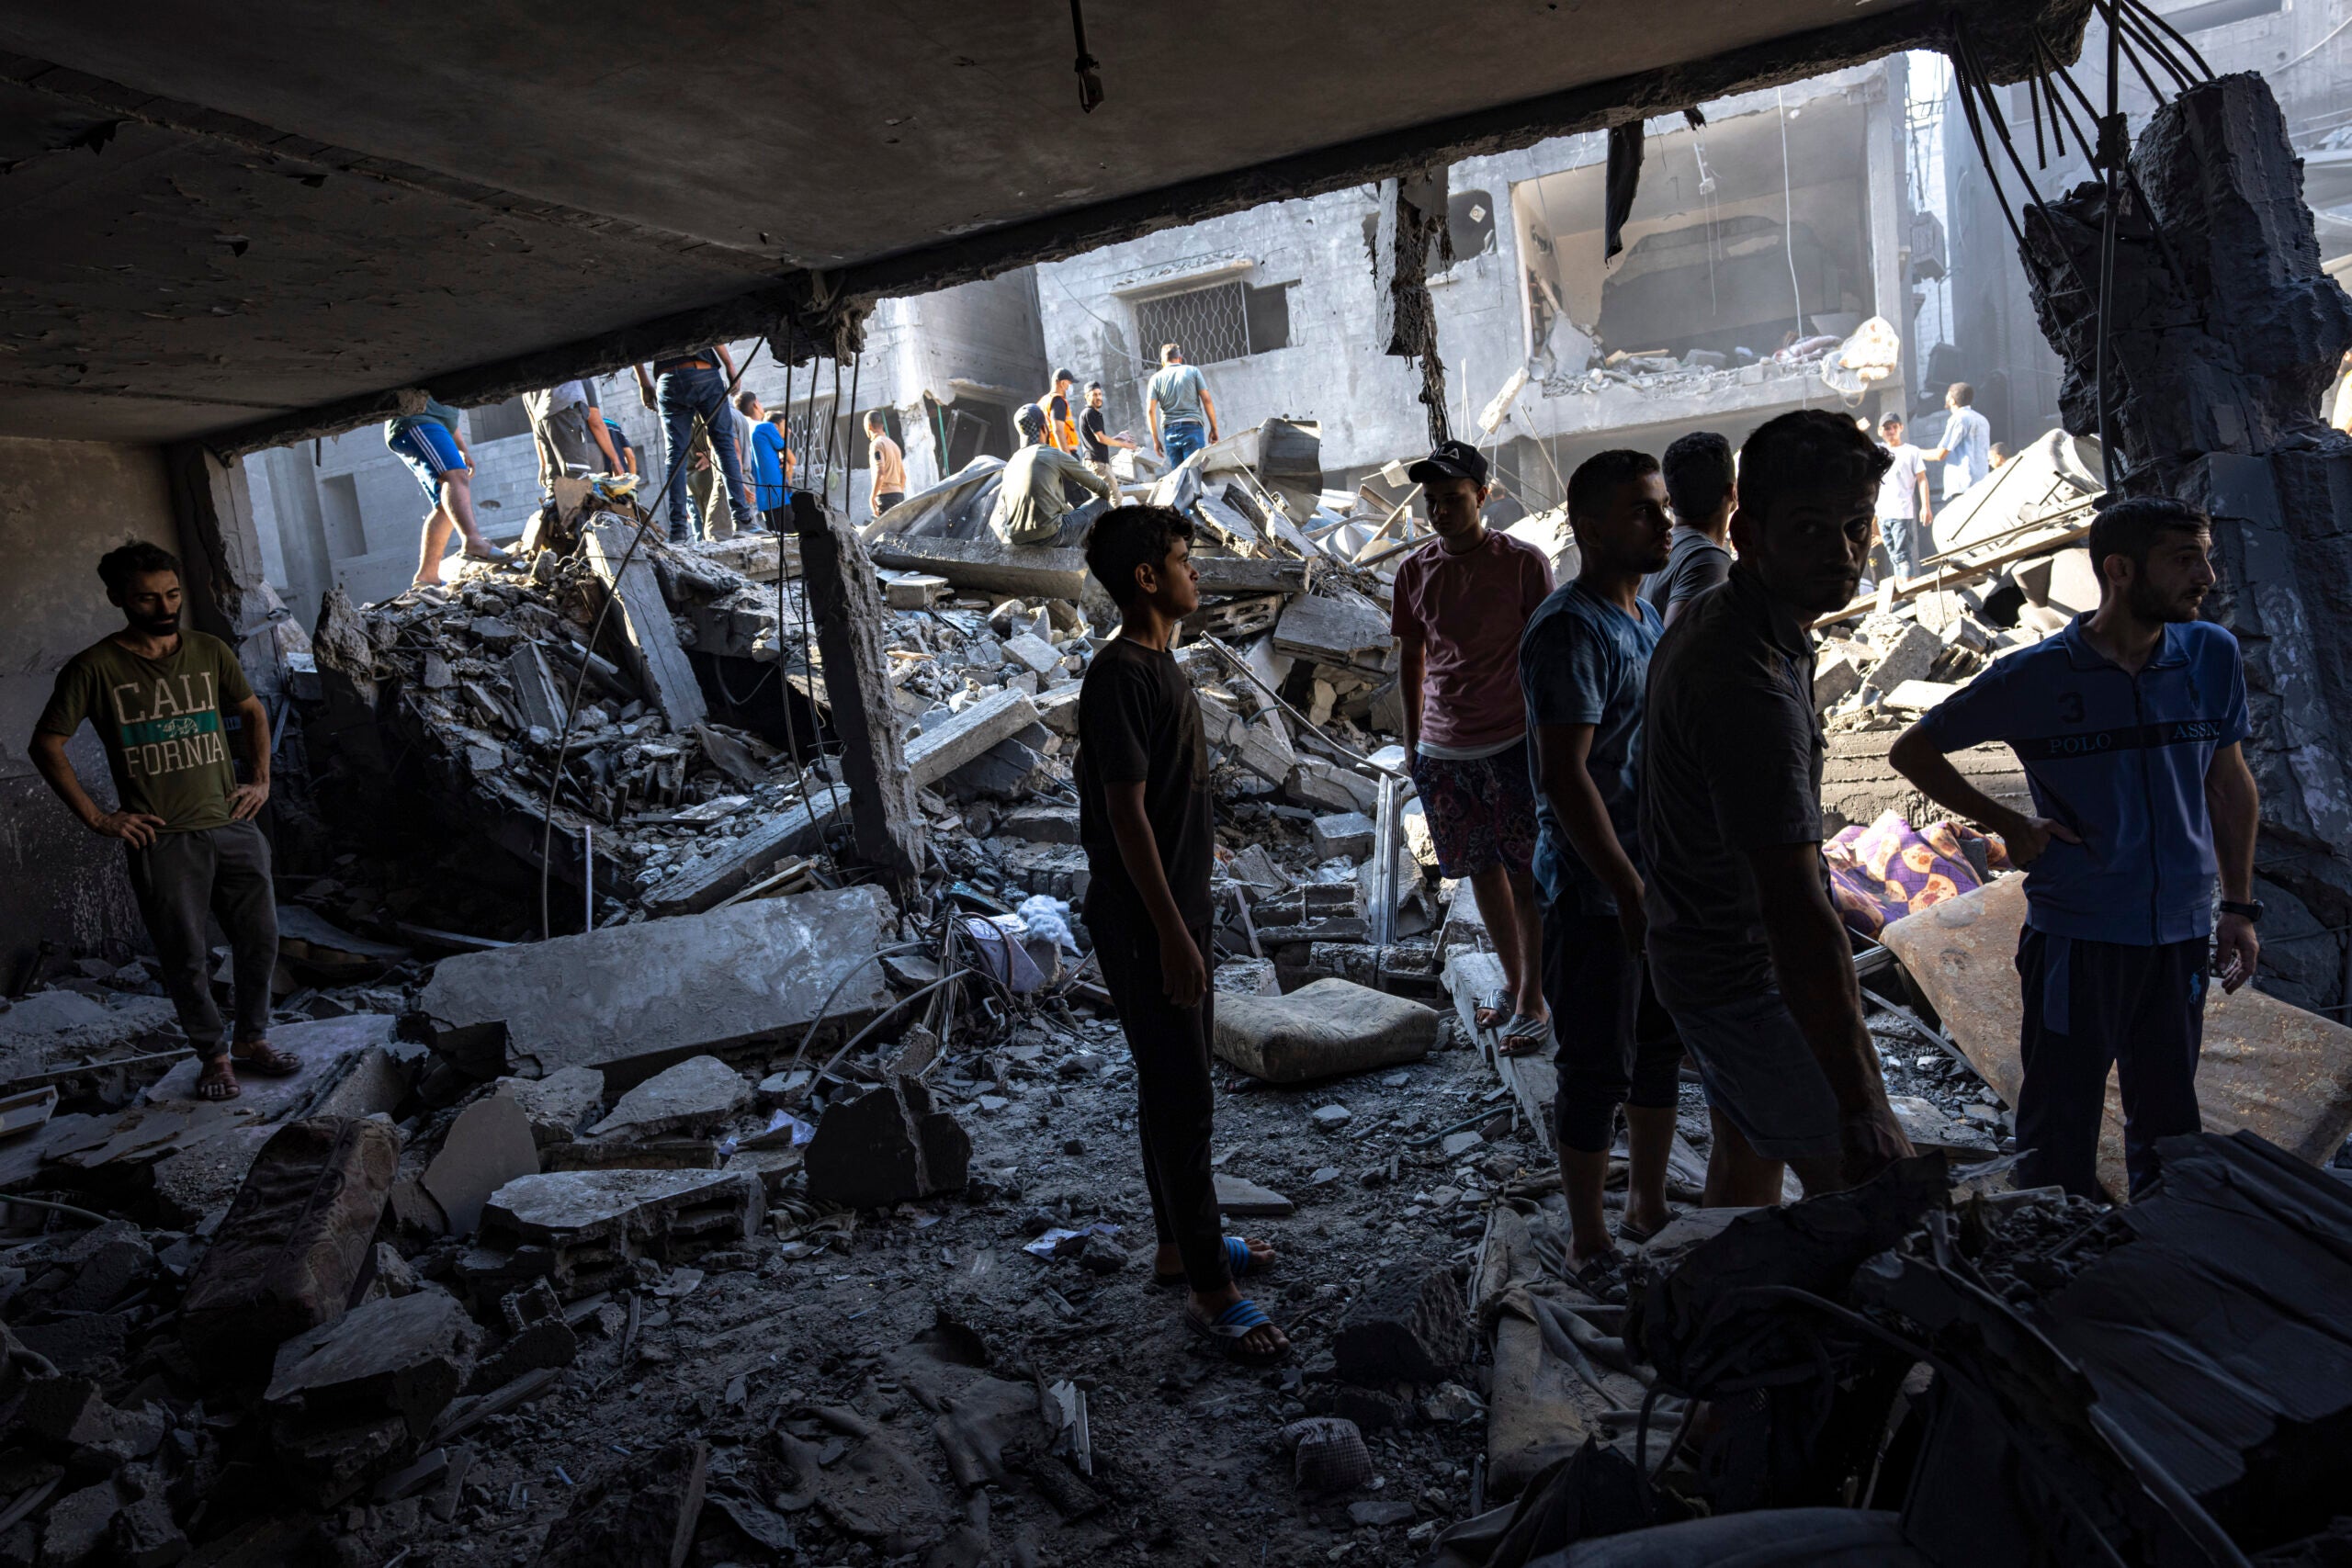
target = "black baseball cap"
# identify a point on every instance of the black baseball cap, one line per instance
(1064, 376)
(1450, 460)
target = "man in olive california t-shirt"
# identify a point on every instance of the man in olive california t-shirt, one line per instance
(159, 697)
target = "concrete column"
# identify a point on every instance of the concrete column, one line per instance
(2225, 335)
(1888, 207)
(845, 598)
(220, 547)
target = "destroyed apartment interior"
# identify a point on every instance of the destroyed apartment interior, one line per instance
(1024, 785)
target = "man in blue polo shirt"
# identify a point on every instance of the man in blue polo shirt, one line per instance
(2128, 723)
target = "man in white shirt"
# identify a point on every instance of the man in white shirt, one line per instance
(1967, 450)
(1904, 511)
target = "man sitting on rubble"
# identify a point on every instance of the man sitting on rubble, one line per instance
(2130, 724)
(1703, 486)
(1180, 408)
(1745, 947)
(1147, 821)
(1459, 605)
(1583, 662)
(155, 694)
(1030, 500)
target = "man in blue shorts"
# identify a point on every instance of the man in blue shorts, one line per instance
(2130, 722)
(432, 445)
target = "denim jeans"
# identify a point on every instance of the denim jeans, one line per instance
(680, 395)
(1903, 536)
(1183, 437)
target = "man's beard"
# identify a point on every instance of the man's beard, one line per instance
(2148, 604)
(156, 626)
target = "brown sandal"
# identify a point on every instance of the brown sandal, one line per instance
(218, 1082)
(261, 1056)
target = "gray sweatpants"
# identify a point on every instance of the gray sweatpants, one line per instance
(184, 880)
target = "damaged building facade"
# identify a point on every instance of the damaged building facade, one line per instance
(1784, 221)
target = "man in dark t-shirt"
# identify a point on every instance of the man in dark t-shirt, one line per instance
(1746, 950)
(1702, 486)
(1144, 819)
(1094, 440)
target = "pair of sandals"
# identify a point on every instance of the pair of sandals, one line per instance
(1517, 1034)
(1230, 1330)
(255, 1056)
(1603, 1278)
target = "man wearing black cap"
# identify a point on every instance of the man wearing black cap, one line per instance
(1061, 419)
(1460, 603)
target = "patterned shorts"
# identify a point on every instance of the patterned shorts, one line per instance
(1481, 810)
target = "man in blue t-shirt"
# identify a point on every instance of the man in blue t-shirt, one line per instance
(1584, 661)
(1967, 450)
(2130, 724)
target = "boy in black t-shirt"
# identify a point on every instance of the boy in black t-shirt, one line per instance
(1145, 822)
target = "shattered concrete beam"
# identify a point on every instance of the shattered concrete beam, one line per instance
(661, 666)
(939, 752)
(847, 598)
(1032, 571)
(793, 831)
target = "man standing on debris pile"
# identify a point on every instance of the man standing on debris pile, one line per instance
(1703, 486)
(1030, 500)
(2130, 723)
(1061, 413)
(1583, 662)
(1094, 440)
(156, 696)
(432, 445)
(886, 462)
(1745, 947)
(1179, 407)
(1967, 450)
(1458, 607)
(1147, 821)
(567, 430)
(1904, 509)
(766, 442)
(686, 387)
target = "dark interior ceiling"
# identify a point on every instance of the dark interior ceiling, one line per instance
(247, 224)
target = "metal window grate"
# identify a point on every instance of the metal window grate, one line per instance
(1210, 325)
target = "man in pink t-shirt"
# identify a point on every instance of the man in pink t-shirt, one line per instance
(1461, 601)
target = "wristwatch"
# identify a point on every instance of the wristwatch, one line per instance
(2252, 909)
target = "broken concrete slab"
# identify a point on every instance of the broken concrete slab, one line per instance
(1321, 1031)
(796, 830)
(644, 619)
(1407, 1325)
(698, 1095)
(1348, 833)
(887, 1146)
(1334, 630)
(558, 1105)
(632, 999)
(321, 951)
(487, 1147)
(1910, 657)
(964, 737)
(640, 1516)
(2266, 1065)
(405, 1356)
(1038, 656)
(291, 1247)
(67, 1022)
(1245, 1199)
(580, 1231)
(1040, 824)
(329, 1049)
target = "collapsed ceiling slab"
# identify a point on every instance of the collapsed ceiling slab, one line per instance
(251, 225)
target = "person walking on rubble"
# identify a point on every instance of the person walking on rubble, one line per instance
(886, 462)
(1966, 452)
(1584, 662)
(158, 697)
(1903, 507)
(433, 444)
(684, 389)
(1701, 484)
(567, 430)
(2131, 723)
(1146, 822)
(1061, 413)
(1459, 605)
(1746, 950)
(1094, 442)
(1180, 408)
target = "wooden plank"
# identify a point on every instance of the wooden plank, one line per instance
(662, 668)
